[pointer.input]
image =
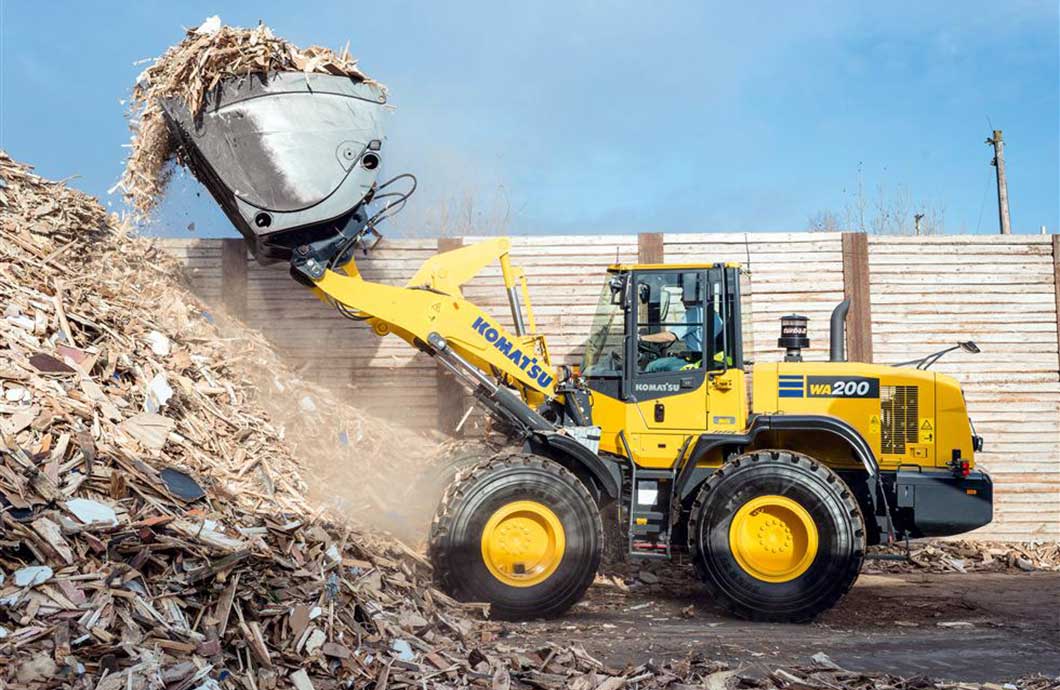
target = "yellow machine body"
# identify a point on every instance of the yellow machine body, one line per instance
(683, 419)
(910, 417)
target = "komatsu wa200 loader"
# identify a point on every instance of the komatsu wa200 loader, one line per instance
(774, 499)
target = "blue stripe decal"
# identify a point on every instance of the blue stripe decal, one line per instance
(791, 394)
(790, 384)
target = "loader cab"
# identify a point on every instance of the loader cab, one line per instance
(663, 354)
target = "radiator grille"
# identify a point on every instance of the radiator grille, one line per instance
(899, 410)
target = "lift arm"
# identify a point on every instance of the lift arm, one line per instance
(431, 306)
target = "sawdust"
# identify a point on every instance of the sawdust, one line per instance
(191, 70)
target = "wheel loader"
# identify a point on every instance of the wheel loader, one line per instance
(773, 499)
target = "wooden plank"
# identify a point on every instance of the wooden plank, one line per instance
(234, 277)
(650, 248)
(1056, 296)
(857, 285)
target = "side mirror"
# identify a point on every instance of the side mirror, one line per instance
(664, 305)
(617, 286)
(969, 346)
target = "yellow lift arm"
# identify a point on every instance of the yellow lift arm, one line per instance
(431, 305)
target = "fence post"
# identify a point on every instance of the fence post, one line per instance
(234, 277)
(451, 394)
(1056, 288)
(650, 248)
(856, 287)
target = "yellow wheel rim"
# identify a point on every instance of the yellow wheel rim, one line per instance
(523, 543)
(773, 538)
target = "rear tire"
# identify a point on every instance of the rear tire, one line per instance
(470, 509)
(822, 514)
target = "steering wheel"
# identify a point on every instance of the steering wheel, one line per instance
(655, 349)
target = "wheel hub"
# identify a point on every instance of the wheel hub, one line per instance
(523, 543)
(773, 538)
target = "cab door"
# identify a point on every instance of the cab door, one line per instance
(667, 379)
(726, 385)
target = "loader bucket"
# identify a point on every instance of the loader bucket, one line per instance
(288, 156)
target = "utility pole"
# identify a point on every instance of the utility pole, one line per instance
(917, 217)
(1002, 186)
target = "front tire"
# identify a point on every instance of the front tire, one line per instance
(520, 532)
(776, 536)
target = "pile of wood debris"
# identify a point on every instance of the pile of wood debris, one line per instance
(154, 525)
(190, 70)
(964, 556)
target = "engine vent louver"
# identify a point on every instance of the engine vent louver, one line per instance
(899, 409)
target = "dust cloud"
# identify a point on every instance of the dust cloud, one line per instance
(358, 466)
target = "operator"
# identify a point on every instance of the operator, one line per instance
(690, 336)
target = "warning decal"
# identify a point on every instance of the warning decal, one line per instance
(927, 431)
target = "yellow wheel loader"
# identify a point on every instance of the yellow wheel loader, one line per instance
(774, 499)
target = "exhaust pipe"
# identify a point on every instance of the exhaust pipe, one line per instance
(837, 336)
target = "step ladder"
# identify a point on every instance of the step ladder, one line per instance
(649, 512)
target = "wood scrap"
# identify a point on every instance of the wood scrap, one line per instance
(190, 69)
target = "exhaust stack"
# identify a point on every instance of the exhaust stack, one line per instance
(837, 336)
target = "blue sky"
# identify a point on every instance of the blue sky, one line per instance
(594, 117)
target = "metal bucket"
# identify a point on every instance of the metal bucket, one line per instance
(288, 156)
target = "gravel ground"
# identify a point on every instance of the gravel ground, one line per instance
(969, 627)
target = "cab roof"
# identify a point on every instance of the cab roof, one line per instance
(624, 268)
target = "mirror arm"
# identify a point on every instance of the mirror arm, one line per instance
(927, 361)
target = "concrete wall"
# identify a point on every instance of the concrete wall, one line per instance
(911, 296)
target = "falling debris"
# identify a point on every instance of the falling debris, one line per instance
(190, 70)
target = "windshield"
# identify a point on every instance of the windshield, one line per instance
(603, 351)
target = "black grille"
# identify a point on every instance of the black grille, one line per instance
(899, 409)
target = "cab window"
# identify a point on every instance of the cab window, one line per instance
(722, 329)
(670, 324)
(604, 349)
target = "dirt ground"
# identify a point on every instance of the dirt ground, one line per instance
(970, 627)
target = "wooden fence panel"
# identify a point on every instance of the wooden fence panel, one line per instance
(928, 293)
(202, 265)
(788, 273)
(382, 374)
(925, 294)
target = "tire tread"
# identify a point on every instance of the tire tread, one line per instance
(847, 578)
(457, 493)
